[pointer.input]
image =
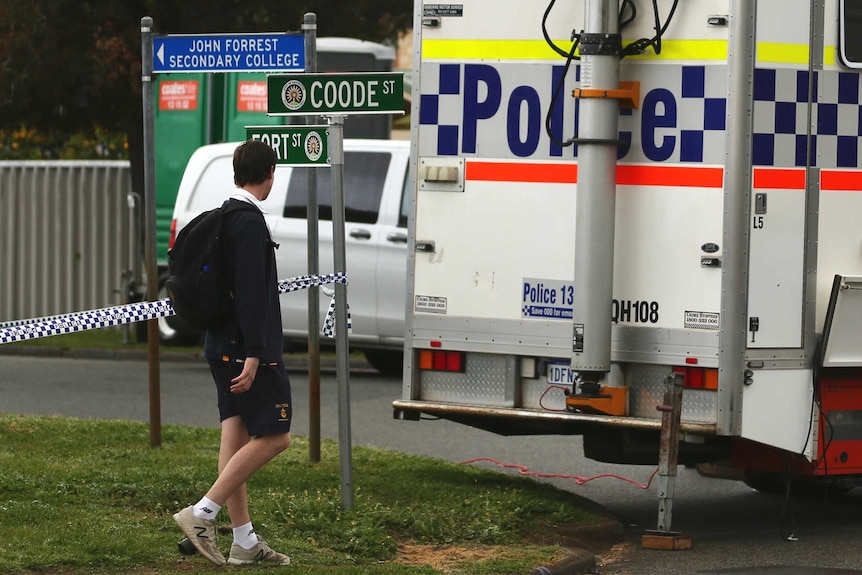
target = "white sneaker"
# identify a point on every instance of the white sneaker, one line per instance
(201, 532)
(260, 553)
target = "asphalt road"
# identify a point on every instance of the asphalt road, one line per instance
(735, 530)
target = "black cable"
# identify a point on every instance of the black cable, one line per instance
(830, 434)
(786, 508)
(815, 400)
(557, 89)
(638, 46)
(814, 378)
(550, 42)
(633, 48)
(634, 13)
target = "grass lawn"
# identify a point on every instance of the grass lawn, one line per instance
(91, 497)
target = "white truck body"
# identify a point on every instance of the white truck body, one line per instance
(737, 202)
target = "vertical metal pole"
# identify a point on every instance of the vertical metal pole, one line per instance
(336, 152)
(737, 207)
(671, 413)
(133, 271)
(150, 246)
(596, 195)
(309, 28)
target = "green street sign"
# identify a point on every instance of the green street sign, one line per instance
(294, 145)
(326, 94)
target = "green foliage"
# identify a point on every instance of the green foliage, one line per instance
(30, 144)
(69, 65)
(84, 496)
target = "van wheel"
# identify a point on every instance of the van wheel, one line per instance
(387, 362)
(174, 330)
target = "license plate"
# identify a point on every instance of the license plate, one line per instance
(559, 373)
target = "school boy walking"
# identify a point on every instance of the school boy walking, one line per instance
(247, 365)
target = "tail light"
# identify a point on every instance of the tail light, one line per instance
(698, 377)
(173, 237)
(440, 360)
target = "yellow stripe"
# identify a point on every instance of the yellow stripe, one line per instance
(780, 53)
(539, 50)
(685, 50)
(688, 50)
(490, 50)
(829, 56)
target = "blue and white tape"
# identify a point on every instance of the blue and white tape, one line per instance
(21, 330)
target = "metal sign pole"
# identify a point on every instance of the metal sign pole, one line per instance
(309, 28)
(150, 244)
(345, 449)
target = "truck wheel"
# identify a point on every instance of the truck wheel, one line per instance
(387, 362)
(174, 330)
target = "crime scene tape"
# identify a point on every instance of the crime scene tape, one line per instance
(20, 330)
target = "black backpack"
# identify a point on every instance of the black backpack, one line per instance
(197, 284)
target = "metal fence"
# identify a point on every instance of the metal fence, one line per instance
(68, 236)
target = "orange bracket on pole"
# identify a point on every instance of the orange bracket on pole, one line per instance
(628, 94)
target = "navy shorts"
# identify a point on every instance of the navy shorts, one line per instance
(265, 408)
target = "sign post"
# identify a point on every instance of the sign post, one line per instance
(326, 94)
(309, 28)
(294, 145)
(336, 96)
(154, 382)
(229, 53)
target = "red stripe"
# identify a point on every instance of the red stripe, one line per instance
(518, 172)
(778, 179)
(627, 175)
(682, 176)
(650, 175)
(841, 181)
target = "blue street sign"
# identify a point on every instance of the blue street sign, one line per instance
(229, 53)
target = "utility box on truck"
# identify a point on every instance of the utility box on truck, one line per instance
(669, 197)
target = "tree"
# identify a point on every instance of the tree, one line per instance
(67, 65)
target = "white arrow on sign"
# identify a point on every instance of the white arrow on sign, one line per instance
(161, 53)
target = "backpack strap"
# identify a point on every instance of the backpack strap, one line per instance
(239, 205)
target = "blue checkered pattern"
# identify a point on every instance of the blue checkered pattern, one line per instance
(21, 330)
(304, 282)
(86, 320)
(702, 114)
(446, 117)
(780, 119)
(691, 122)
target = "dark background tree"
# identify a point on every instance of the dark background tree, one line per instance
(68, 66)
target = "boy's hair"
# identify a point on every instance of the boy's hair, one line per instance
(252, 161)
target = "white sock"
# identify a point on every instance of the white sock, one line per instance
(206, 509)
(244, 536)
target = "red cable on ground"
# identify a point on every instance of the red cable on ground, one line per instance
(524, 470)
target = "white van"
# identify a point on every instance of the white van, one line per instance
(375, 197)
